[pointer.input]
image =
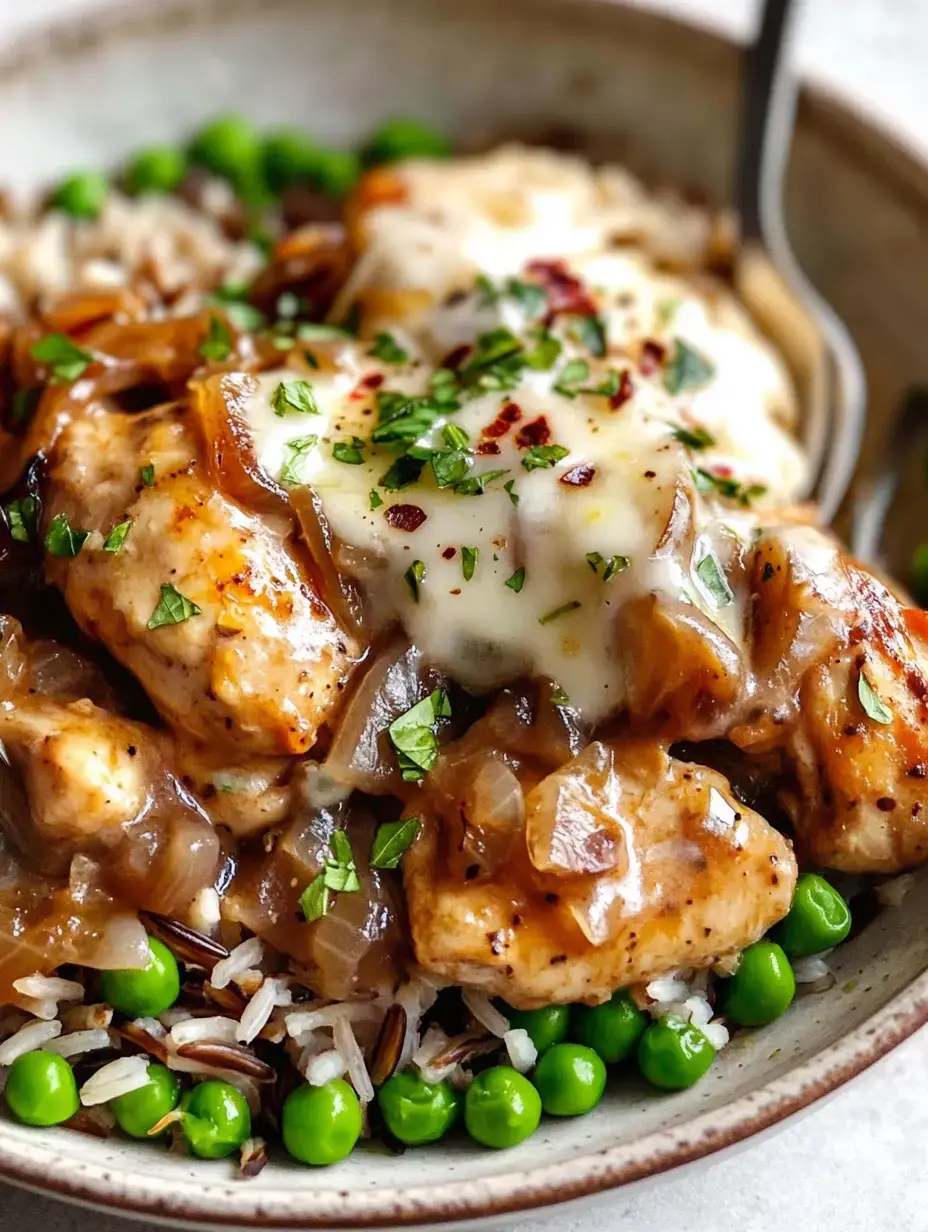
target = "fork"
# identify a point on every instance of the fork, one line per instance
(815, 342)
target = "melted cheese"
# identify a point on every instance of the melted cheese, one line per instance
(417, 279)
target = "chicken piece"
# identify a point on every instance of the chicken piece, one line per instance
(628, 866)
(82, 781)
(846, 666)
(257, 665)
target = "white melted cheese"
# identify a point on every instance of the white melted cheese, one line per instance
(494, 216)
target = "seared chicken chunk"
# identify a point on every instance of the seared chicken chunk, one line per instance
(846, 666)
(256, 664)
(628, 865)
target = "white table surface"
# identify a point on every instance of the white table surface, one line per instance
(858, 1162)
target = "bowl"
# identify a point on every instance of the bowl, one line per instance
(624, 84)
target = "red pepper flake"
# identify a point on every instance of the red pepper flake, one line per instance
(509, 415)
(405, 517)
(579, 476)
(455, 358)
(366, 385)
(566, 293)
(485, 447)
(723, 470)
(652, 356)
(624, 392)
(535, 433)
(449, 553)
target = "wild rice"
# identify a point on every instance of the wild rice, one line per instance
(231, 1057)
(49, 988)
(32, 1036)
(78, 1042)
(216, 1030)
(325, 1066)
(248, 954)
(389, 1045)
(187, 943)
(522, 1052)
(146, 1040)
(117, 1078)
(253, 1157)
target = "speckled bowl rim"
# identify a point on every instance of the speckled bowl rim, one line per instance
(893, 159)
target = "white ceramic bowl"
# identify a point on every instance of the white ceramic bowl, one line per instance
(633, 86)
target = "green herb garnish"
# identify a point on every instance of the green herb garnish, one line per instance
(392, 840)
(387, 349)
(509, 487)
(340, 872)
(615, 564)
(516, 581)
(873, 706)
(468, 562)
(403, 473)
(694, 438)
(296, 453)
(413, 735)
(686, 368)
(64, 540)
(557, 612)
(414, 576)
(21, 515)
(294, 396)
(173, 608)
(147, 475)
(540, 457)
(375, 498)
(591, 333)
(65, 358)
(349, 451)
(475, 485)
(314, 900)
(117, 537)
(710, 574)
(217, 345)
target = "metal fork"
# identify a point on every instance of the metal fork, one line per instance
(816, 344)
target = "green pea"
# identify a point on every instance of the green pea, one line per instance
(762, 988)
(336, 172)
(81, 194)
(545, 1027)
(673, 1054)
(147, 992)
(137, 1111)
(501, 1107)
(216, 1120)
(228, 146)
(320, 1125)
(40, 1089)
(818, 918)
(416, 1111)
(918, 575)
(289, 157)
(612, 1030)
(406, 138)
(159, 169)
(570, 1079)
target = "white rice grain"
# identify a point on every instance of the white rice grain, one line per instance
(325, 1066)
(716, 1033)
(217, 1030)
(269, 996)
(49, 988)
(204, 911)
(46, 1010)
(32, 1036)
(667, 989)
(698, 1010)
(78, 1042)
(301, 1021)
(522, 1052)
(350, 1049)
(243, 957)
(808, 970)
(485, 1012)
(118, 1078)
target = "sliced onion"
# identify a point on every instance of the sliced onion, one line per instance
(574, 820)
(336, 589)
(124, 944)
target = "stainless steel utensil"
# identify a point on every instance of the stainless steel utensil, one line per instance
(817, 346)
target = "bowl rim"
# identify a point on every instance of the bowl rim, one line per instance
(892, 156)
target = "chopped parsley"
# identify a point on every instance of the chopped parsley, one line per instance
(869, 699)
(475, 485)
(413, 735)
(573, 372)
(392, 840)
(387, 349)
(404, 418)
(147, 475)
(545, 353)
(117, 536)
(340, 872)
(314, 900)
(540, 457)
(614, 565)
(403, 473)
(686, 368)
(591, 333)
(376, 499)
(705, 483)
(497, 363)
(557, 612)
(296, 453)
(530, 297)
(455, 437)
(558, 696)
(23, 405)
(21, 516)
(713, 579)
(449, 466)
(517, 581)
(312, 331)
(173, 608)
(65, 358)
(217, 345)
(63, 539)
(233, 297)
(414, 576)
(468, 562)
(509, 486)
(294, 396)
(694, 438)
(349, 451)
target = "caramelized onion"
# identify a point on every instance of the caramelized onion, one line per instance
(219, 404)
(336, 590)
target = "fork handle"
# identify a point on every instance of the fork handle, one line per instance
(768, 105)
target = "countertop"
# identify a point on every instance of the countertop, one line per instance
(856, 1162)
